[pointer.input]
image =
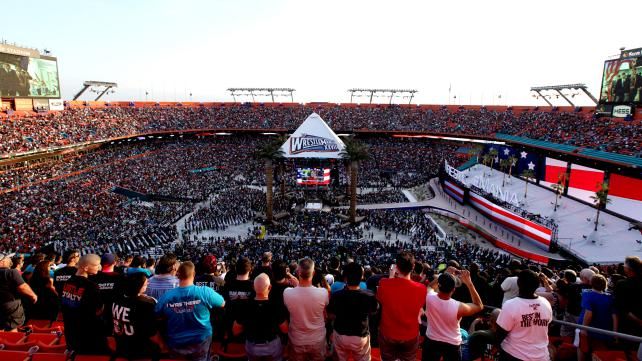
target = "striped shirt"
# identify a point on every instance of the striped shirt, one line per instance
(159, 284)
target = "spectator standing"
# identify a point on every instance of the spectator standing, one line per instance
(351, 308)
(165, 278)
(598, 312)
(306, 305)
(82, 309)
(627, 300)
(64, 271)
(262, 324)
(522, 325)
(401, 303)
(48, 303)
(12, 286)
(187, 312)
(108, 283)
(443, 313)
(134, 320)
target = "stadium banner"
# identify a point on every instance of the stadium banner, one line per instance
(492, 239)
(554, 172)
(522, 226)
(454, 191)
(622, 111)
(625, 194)
(584, 182)
(56, 104)
(313, 139)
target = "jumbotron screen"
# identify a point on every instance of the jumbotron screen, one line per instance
(23, 76)
(622, 81)
(313, 176)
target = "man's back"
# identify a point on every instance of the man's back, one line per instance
(401, 300)
(159, 284)
(306, 306)
(81, 307)
(526, 321)
(187, 310)
(352, 308)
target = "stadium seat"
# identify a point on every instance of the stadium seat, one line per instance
(38, 356)
(14, 355)
(232, 351)
(92, 358)
(39, 323)
(609, 356)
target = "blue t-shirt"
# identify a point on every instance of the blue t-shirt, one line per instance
(132, 270)
(338, 286)
(187, 310)
(601, 306)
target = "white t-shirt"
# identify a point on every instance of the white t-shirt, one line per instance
(526, 321)
(509, 286)
(443, 324)
(306, 306)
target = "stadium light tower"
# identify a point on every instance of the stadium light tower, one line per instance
(371, 93)
(271, 92)
(98, 84)
(559, 88)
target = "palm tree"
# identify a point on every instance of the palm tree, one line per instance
(270, 153)
(354, 153)
(600, 199)
(503, 165)
(513, 162)
(487, 159)
(475, 151)
(527, 174)
(493, 154)
(559, 188)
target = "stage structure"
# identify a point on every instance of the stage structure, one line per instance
(314, 150)
(388, 93)
(264, 92)
(96, 87)
(575, 88)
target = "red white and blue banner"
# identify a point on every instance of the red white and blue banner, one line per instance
(454, 191)
(540, 234)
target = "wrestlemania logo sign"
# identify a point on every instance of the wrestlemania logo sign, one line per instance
(312, 143)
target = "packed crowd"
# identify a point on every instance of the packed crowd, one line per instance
(70, 200)
(80, 125)
(319, 298)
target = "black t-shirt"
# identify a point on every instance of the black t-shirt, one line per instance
(109, 284)
(207, 280)
(134, 322)
(10, 279)
(62, 275)
(261, 321)
(574, 297)
(80, 301)
(352, 308)
(237, 294)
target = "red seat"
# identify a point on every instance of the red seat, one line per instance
(92, 358)
(39, 323)
(605, 355)
(233, 351)
(13, 337)
(38, 356)
(14, 355)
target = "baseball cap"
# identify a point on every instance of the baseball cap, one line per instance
(107, 259)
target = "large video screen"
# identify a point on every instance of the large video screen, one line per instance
(622, 81)
(584, 182)
(22, 76)
(313, 176)
(625, 194)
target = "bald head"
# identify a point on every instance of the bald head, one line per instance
(586, 275)
(88, 264)
(262, 285)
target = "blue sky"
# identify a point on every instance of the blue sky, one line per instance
(322, 48)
